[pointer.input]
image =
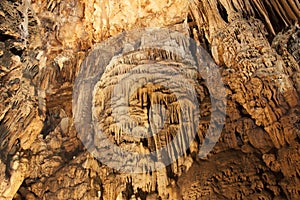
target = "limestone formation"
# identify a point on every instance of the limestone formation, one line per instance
(47, 45)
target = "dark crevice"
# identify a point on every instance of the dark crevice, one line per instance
(4, 37)
(222, 11)
(243, 112)
(207, 45)
(239, 139)
(277, 22)
(234, 8)
(129, 191)
(200, 37)
(50, 123)
(17, 51)
(141, 194)
(144, 142)
(170, 173)
(4, 134)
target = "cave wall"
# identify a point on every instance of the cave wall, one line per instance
(254, 43)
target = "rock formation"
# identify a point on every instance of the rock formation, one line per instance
(45, 47)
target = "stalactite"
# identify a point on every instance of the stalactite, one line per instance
(260, 139)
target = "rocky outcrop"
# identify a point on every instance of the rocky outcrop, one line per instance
(20, 113)
(44, 46)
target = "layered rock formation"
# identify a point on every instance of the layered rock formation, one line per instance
(256, 47)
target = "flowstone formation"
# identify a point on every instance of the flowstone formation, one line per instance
(137, 102)
(43, 47)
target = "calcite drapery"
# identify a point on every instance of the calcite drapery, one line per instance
(257, 155)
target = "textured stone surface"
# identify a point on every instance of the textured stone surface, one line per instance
(21, 121)
(254, 43)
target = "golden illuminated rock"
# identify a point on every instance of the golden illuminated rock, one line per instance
(44, 45)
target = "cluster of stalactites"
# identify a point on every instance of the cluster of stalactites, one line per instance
(215, 14)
